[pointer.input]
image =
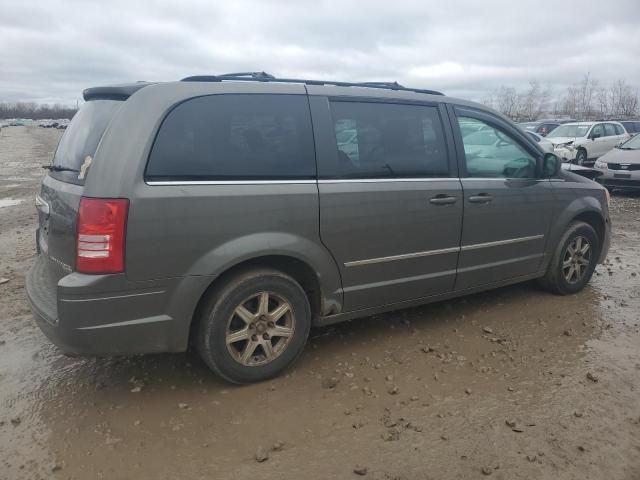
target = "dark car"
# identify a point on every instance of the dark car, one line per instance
(235, 212)
(631, 126)
(542, 128)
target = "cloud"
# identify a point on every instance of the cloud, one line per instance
(50, 52)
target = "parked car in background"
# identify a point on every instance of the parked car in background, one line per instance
(583, 142)
(631, 126)
(620, 167)
(542, 127)
(233, 212)
(544, 143)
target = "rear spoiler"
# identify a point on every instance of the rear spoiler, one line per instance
(113, 92)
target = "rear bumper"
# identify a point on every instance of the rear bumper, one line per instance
(108, 314)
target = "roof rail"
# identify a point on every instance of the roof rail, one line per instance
(265, 77)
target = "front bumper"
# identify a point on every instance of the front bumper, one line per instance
(108, 314)
(623, 179)
(565, 154)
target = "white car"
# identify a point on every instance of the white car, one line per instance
(581, 142)
(544, 143)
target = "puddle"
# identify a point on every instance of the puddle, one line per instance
(10, 202)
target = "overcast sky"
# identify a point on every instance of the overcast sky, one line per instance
(51, 50)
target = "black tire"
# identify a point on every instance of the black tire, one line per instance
(555, 279)
(581, 156)
(219, 311)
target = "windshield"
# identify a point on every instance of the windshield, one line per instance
(569, 131)
(81, 139)
(632, 144)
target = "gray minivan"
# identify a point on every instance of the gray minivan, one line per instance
(234, 212)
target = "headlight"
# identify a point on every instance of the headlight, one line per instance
(600, 164)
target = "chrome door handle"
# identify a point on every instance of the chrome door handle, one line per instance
(443, 200)
(481, 198)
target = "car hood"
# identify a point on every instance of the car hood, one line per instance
(618, 155)
(561, 140)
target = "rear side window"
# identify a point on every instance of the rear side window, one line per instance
(609, 130)
(619, 129)
(384, 140)
(81, 140)
(235, 137)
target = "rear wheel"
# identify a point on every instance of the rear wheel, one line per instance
(254, 326)
(574, 260)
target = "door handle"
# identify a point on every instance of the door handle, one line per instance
(480, 198)
(442, 200)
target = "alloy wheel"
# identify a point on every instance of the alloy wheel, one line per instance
(260, 329)
(576, 260)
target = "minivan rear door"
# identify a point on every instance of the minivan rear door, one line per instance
(62, 188)
(390, 201)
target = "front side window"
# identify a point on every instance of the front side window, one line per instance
(235, 137)
(384, 140)
(597, 131)
(492, 153)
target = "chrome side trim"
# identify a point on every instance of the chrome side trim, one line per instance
(99, 299)
(397, 281)
(405, 256)
(385, 180)
(127, 323)
(228, 182)
(477, 246)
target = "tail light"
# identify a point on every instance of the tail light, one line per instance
(101, 235)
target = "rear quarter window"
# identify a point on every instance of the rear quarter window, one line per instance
(235, 137)
(81, 139)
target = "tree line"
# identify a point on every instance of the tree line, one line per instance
(586, 100)
(36, 111)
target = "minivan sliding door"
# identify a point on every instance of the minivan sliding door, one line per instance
(390, 201)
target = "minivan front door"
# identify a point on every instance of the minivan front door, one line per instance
(390, 199)
(507, 209)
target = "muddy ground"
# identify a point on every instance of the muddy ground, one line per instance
(515, 383)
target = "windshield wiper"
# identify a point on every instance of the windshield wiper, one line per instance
(58, 168)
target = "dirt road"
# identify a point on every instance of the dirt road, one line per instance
(515, 383)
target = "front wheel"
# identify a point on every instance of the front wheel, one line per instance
(581, 156)
(573, 261)
(254, 326)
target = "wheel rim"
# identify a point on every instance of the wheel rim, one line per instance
(576, 260)
(582, 156)
(260, 329)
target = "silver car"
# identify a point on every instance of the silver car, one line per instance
(621, 166)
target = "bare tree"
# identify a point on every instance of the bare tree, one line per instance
(507, 101)
(623, 100)
(585, 95)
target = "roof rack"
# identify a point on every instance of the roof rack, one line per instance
(266, 77)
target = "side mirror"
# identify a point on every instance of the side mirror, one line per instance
(551, 165)
(595, 135)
